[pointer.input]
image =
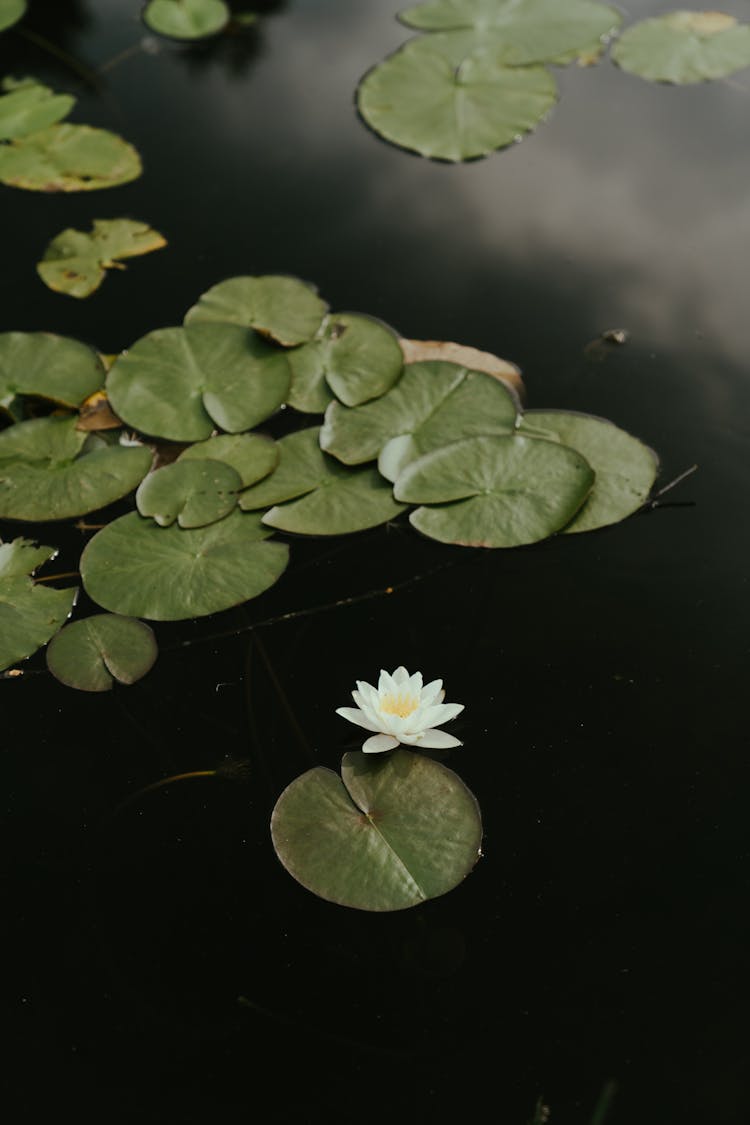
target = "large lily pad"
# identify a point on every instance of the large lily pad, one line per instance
(68, 158)
(75, 262)
(178, 383)
(355, 357)
(29, 614)
(285, 309)
(625, 468)
(186, 19)
(388, 834)
(433, 403)
(445, 98)
(195, 493)
(91, 654)
(28, 106)
(252, 456)
(52, 367)
(495, 491)
(136, 568)
(11, 12)
(684, 47)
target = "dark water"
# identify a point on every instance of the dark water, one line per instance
(604, 935)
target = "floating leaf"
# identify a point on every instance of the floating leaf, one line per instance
(625, 468)
(75, 262)
(418, 351)
(68, 158)
(28, 107)
(301, 468)
(44, 477)
(433, 404)
(286, 309)
(390, 833)
(435, 97)
(357, 357)
(683, 47)
(178, 383)
(52, 367)
(253, 456)
(195, 493)
(11, 12)
(495, 491)
(91, 654)
(29, 614)
(134, 567)
(186, 19)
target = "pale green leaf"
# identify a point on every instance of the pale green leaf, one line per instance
(30, 107)
(29, 614)
(11, 12)
(186, 19)
(75, 262)
(285, 309)
(91, 654)
(684, 47)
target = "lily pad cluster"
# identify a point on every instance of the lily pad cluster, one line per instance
(75, 262)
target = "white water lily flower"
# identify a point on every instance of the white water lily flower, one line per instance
(401, 710)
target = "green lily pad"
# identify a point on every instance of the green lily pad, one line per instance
(28, 107)
(301, 468)
(186, 19)
(45, 476)
(495, 491)
(76, 262)
(68, 158)
(683, 47)
(433, 403)
(357, 357)
(29, 614)
(195, 493)
(252, 456)
(443, 97)
(285, 309)
(625, 468)
(51, 367)
(134, 567)
(178, 383)
(11, 12)
(91, 654)
(388, 834)
(524, 31)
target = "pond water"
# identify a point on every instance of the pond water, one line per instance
(164, 966)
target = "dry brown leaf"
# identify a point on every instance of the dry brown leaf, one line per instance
(97, 414)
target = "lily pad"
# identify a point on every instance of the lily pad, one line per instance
(76, 262)
(453, 105)
(68, 158)
(285, 309)
(356, 357)
(495, 491)
(29, 614)
(683, 47)
(51, 367)
(186, 19)
(433, 404)
(625, 468)
(195, 493)
(301, 468)
(417, 351)
(136, 568)
(91, 654)
(28, 107)
(388, 834)
(253, 456)
(11, 12)
(178, 383)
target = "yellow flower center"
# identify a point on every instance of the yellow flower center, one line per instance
(401, 705)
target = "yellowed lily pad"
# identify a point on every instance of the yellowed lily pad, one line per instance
(68, 158)
(76, 262)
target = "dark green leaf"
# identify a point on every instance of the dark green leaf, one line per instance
(68, 158)
(286, 309)
(356, 357)
(684, 47)
(75, 262)
(253, 456)
(52, 367)
(195, 493)
(29, 614)
(10, 12)
(91, 654)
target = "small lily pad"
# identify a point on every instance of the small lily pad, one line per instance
(28, 107)
(11, 12)
(253, 456)
(75, 262)
(433, 403)
(356, 357)
(136, 568)
(51, 367)
(29, 614)
(285, 309)
(91, 654)
(186, 19)
(387, 834)
(683, 47)
(178, 383)
(68, 158)
(495, 491)
(195, 493)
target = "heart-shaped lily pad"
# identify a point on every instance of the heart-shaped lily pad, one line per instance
(433, 404)
(684, 47)
(388, 834)
(301, 468)
(29, 614)
(52, 367)
(285, 309)
(252, 456)
(195, 493)
(186, 19)
(495, 491)
(11, 12)
(418, 351)
(178, 383)
(75, 262)
(136, 568)
(355, 357)
(28, 106)
(68, 158)
(91, 654)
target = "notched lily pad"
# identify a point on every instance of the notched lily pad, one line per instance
(51, 367)
(186, 19)
(91, 654)
(195, 493)
(253, 456)
(354, 357)
(75, 262)
(683, 47)
(285, 309)
(29, 614)
(68, 158)
(28, 106)
(418, 351)
(387, 834)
